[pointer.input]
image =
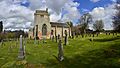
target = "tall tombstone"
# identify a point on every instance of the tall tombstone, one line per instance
(21, 49)
(24, 45)
(66, 38)
(53, 38)
(60, 51)
(56, 38)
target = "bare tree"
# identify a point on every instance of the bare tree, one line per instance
(98, 25)
(84, 22)
(116, 18)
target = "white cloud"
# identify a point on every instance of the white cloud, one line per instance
(13, 14)
(16, 16)
(105, 14)
(94, 0)
(72, 12)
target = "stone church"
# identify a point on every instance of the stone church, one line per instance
(44, 28)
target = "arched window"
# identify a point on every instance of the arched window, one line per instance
(44, 29)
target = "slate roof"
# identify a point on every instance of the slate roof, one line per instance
(54, 24)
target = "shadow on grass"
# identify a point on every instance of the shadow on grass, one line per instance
(106, 39)
(100, 58)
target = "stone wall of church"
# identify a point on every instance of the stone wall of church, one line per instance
(60, 31)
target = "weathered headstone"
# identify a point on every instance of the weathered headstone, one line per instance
(60, 51)
(106, 33)
(56, 38)
(116, 33)
(113, 34)
(53, 38)
(21, 49)
(97, 34)
(24, 45)
(44, 40)
(93, 35)
(66, 38)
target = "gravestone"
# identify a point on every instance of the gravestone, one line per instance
(97, 34)
(106, 33)
(109, 33)
(44, 39)
(56, 38)
(52, 38)
(24, 45)
(66, 38)
(21, 49)
(113, 34)
(60, 51)
(93, 35)
(82, 35)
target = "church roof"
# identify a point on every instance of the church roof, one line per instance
(54, 24)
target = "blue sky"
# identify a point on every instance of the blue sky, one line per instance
(89, 5)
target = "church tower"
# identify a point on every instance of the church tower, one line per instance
(42, 27)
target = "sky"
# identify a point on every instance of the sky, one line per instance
(19, 14)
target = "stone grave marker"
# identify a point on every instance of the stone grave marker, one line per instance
(60, 51)
(21, 49)
(113, 34)
(52, 38)
(44, 39)
(93, 35)
(56, 38)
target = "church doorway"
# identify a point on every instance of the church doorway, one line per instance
(44, 29)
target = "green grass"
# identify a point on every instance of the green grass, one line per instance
(102, 52)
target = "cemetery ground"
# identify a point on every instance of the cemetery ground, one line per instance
(101, 52)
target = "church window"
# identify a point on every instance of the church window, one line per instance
(44, 29)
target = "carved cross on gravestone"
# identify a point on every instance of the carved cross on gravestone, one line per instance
(21, 49)
(60, 51)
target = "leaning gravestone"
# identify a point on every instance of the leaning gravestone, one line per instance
(21, 49)
(60, 51)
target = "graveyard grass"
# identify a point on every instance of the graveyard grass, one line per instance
(102, 52)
